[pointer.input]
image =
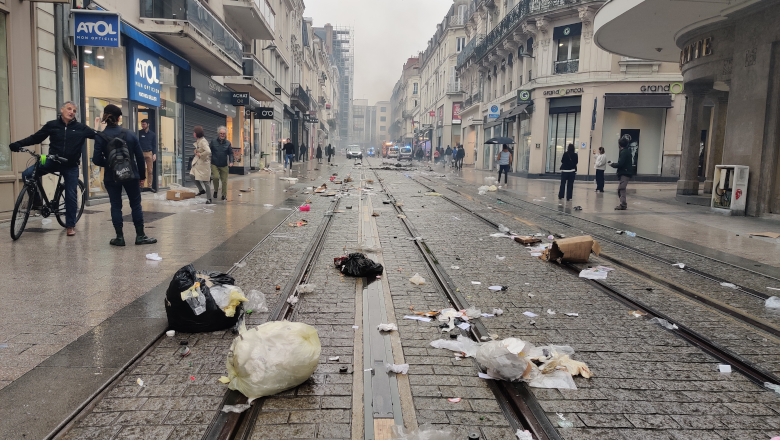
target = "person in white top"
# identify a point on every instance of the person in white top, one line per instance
(600, 165)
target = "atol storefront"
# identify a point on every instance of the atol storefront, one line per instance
(124, 67)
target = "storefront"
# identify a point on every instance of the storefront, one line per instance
(207, 103)
(141, 77)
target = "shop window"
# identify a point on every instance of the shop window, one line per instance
(568, 55)
(5, 119)
(563, 130)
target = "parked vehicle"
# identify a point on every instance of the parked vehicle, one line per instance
(354, 152)
(405, 153)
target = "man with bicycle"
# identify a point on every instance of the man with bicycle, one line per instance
(66, 139)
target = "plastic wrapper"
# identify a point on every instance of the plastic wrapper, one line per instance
(182, 317)
(463, 345)
(417, 279)
(256, 301)
(502, 228)
(398, 369)
(504, 359)
(358, 265)
(556, 379)
(228, 297)
(425, 432)
(271, 358)
(772, 302)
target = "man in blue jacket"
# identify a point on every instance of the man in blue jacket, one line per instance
(111, 116)
(66, 139)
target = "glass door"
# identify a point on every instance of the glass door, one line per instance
(562, 132)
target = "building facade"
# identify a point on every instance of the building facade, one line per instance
(728, 53)
(231, 63)
(530, 71)
(405, 104)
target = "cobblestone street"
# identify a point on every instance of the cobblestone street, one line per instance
(127, 380)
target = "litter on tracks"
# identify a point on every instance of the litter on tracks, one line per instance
(730, 285)
(596, 273)
(418, 318)
(398, 369)
(530, 314)
(772, 302)
(680, 265)
(387, 327)
(239, 408)
(664, 323)
(417, 279)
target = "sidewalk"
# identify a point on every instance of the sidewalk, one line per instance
(653, 212)
(58, 288)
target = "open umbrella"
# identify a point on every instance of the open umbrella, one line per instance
(500, 140)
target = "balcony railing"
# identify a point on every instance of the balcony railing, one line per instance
(567, 66)
(471, 100)
(454, 87)
(266, 12)
(513, 19)
(200, 18)
(253, 68)
(300, 94)
(468, 50)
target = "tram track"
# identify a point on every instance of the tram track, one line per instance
(751, 371)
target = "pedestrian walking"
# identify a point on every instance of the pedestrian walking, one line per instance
(221, 160)
(302, 153)
(568, 172)
(436, 155)
(330, 152)
(600, 165)
(461, 156)
(625, 171)
(111, 143)
(201, 164)
(66, 139)
(319, 154)
(504, 160)
(454, 155)
(447, 156)
(289, 153)
(148, 140)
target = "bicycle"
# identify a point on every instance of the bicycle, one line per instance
(33, 187)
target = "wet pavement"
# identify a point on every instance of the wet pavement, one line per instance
(66, 340)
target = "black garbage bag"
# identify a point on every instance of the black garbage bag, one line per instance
(182, 317)
(219, 277)
(358, 265)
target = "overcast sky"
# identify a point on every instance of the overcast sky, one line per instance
(387, 32)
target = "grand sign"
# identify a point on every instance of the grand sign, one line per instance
(564, 92)
(674, 88)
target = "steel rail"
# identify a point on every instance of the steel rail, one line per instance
(239, 426)
(752, 372)
(516, 401)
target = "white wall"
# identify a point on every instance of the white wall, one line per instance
(649, 122)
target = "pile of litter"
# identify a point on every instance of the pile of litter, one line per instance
(513, 360)
(358, 265)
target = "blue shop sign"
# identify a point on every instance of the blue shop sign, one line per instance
(143, 69)
(96, 28)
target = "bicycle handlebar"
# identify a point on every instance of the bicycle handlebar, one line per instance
(53, 157)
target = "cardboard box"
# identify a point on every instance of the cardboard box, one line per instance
(527, 240)
(174, 194)
(573, 250)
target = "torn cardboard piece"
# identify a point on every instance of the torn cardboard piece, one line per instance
(574, 249)
(765, 234)
(527, 240)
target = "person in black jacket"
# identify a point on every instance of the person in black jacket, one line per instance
(568, 172)
(330, 151)
(221, 160)
(289, 153)
(319, 153)
(625, 170)
(66, 139)
(111, 117)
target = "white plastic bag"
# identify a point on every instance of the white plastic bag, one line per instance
(560, 379)
(271, 358)
(503, 359)
(461, 345)
(398, 369)
(417, 279)
(256, 301)
(227, 298)
(772, 302)
(387, 327)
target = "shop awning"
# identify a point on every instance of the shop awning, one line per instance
(637, 100)
(517, 110)
(154, 46)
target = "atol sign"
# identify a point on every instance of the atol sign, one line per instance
(143, 75)
(96, 28)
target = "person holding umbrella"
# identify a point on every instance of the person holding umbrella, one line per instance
(504, 160)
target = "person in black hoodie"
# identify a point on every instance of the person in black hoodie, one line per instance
(66, 139)
(568, 172)
(111, 117)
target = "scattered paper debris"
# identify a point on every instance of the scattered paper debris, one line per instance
(500, 258)
(502, 228)
(773, 387)
(239, 265)
(476, 282)
(398, 369)
(595, 273)
(724, 368)
(268, 205)
(306, 288)
(729, 285)
(355, 327)
(387, 327)
(153, 257)
(485, 376)
(498, 312)
(773, 288)
(550, 311)
(637, 313)
(293, 300)
(139, 382)
(772, 302)
(454, 399)
(572, 314)
(464, 326)
(455, 267)
(418, 318)
(680, 265)
(765, 234)
(239, 408)
(496, 288)
(488, 315)
(530, 314)
(333, 358)
(531, 295)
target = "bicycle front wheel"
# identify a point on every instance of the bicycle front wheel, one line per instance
(59, 202)
(21, 212)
